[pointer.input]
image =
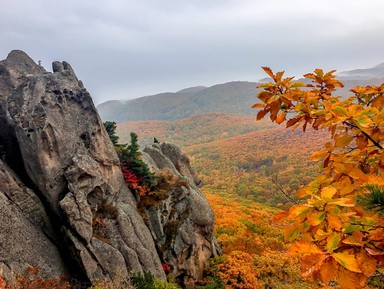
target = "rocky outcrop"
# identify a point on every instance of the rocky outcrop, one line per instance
(55, 141)
(64, 205)
(182, 222)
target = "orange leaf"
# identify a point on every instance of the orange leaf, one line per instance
(327, 193)
(319, 155)
(329, 270)
(334, 222)
(378, 101)
(350, 280)
(366, 263)
(280, 118)
(258, 105)
(312, 263)
(261, 114)
(279, 75)
(269, 72)
(348, 261)
(291, 233)
(362, 142)
(315, 218)
(304, 248)
(293, 121)
(355, 239)
(280, 216)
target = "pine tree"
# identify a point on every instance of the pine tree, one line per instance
(130, 157)
(110, 127)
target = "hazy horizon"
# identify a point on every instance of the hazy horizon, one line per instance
(129, 49)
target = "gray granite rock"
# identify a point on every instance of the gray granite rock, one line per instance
(56, 143)
(182, 222)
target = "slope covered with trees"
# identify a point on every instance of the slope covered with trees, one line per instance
(249, 175)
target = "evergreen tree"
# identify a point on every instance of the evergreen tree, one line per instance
(130, 157)
(110, 127)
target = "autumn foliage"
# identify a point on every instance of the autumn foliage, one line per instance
(338, 238)
(31, 280)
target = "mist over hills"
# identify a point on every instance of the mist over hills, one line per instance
(232, 97)
(235, 97)
(363, 74)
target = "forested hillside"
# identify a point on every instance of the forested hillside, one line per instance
(246, 167)
(232, 97)
(237, 155)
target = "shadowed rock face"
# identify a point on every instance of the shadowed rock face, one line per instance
(64, 205)
(55, 141)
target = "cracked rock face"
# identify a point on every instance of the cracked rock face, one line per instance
(54, 140)
(182, 223)
(64, 205)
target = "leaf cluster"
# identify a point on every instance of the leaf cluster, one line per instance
(338, 238)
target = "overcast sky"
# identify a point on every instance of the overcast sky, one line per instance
(126, 49)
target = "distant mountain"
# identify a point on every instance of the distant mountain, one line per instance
(232, 97)
(363, 74)
(235, 97)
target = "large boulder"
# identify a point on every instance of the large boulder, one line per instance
(181, 220)
(54, 140)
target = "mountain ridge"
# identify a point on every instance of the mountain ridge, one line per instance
(235, 97)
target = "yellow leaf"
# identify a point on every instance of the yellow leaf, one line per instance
(348, 261)
(343, 141)
(340, 110)
(333, 242)
(339, 167)
(343, 202)
(327, 193)
(297, 210)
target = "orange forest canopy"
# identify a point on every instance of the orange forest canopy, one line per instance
(338, 226)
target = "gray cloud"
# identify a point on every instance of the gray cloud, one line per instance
(125, 48)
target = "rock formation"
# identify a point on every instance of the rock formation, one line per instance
(182, 222)
(62, 194)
